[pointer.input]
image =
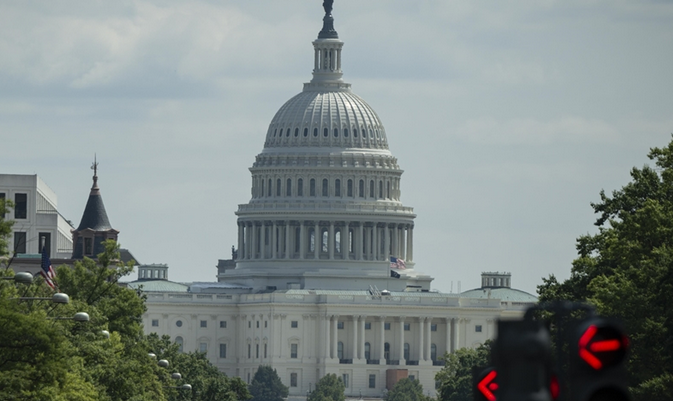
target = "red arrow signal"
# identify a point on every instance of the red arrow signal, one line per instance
(487, 385)
(599, 346)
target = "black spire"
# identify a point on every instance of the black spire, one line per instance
(328, 31)
(94, 216)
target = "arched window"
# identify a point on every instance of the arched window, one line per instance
(305, 132)
(355, 132)
(386, 351)
(325, 187)
(433, 352)
(315, 132)
(371, 189)
(337, 187)
(406, 351)
(350, 188)
(288, 188)
(278, 187)
(361, 192)
(380, 189)
(345, 132)
(275, 131)
(288, 132)
(325, 132)
(367, 353)
(340, 350)
(312, 187)
(337, 242)
(325, 239)
(269, 189)
(311, 239)
(281, 133)
(388, 190)
(179, 341)
(296, 132)
(336, 132)
(300, 187)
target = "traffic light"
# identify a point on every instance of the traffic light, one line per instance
(596, 371)
(522, 358)
(485, 384)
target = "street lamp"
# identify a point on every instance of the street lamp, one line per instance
(58, 298)
(79, 317)
(183, 387)
(21, 278)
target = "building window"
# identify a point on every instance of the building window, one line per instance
(386, 326)
(386, 351)
(223, 350)
(311, 187)
(346, 380)
(155, 322)
(300, 187)
(203, 347)
(380, 189)
(288, 187)
(278, 187)
(372, 381)
(388, 190)
(248, 377)
(249, 351)
(293, 380)
(315, 132)
(294, 324)
(433, 352)
(325, 187)
(269, 188)
(325, 132)
(20, 242)
(262, 189)
(20, 206)
(265, 324)
(223, 324)
(433, 327)
(336, 132)
(256, 350)
(406, 351)
(371, 189)
(412, 377)
(178, 323)
(345, 132)
(179, 341)
(249, 324)
(293, 351)
(296, 132)
(407, 326)
(88, 246)
(349, 188)
(340, 325)
(367, 349)
(305, 132)
(361, 189)
(337, 187)
(340, 350)
(257, 323)
(265, 350)
(477, 328)
(204, 323)
(368, 325)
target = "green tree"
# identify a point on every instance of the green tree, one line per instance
(328, 388)
(406, 390)
(626, 270)
(455, 378)
(5, 229)
(267, 386)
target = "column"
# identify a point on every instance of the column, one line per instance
(386, 240)
(455, 328)
(335, 338)
(339, 59)
(331, 243)
(358, 243)
(241, 249)
(361, 354)
(410, 244)
(382, 342)
(428, 339)
(246, 233)
(316, 241)
(421, 342)
(354, 354)
(316, 57)
(326, 324)
(376, 248)
(275, 243)
(345, 240)
(254, 241)
(448, 348)
(367, 247)
(400, 240)
(401, 339)
(288, 250)
(396, 242)
(403, 248)
(302, 239)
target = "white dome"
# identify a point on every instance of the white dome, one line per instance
(316, 118)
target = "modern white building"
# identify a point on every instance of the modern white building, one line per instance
(311, 288)
(37, 222)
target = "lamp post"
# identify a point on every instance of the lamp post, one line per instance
(21, 278)
(79, 317)
(57, 298)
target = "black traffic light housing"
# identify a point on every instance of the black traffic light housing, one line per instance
(522, 358)
(484, 383)
(596, 369)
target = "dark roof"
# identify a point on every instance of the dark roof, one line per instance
(95, 217)
(127, 256)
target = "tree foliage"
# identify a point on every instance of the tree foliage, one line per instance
(267, 386)
(5, 227)
(626, 270)
(455, 378)
(406, 390)
(328, 388)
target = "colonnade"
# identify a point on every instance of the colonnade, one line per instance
(329, 240)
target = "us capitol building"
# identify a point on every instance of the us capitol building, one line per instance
(311, 288)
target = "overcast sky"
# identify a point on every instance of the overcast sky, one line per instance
(508, 117)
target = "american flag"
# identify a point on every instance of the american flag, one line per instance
(397, 263)
(47, 271)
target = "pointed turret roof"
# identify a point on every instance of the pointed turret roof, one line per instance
(94, 217)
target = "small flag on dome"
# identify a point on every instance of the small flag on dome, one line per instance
(397, 263)
(47, 271)
(394, 274)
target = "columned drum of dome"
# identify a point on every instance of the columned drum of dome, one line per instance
(325, 210)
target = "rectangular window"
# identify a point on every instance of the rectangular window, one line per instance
(19, 242)
(325, 187)
(203, 347)
(223, 324)
(20, 206)
(386, 326)
(372, 381)
(368, 326)
(155, 322)
(311, 187)
(256, 350)
(433, 327)
(204, 323)
(249, 351)
(412, 377)
(223, 350)
(258, 324)
(265, 324)
(407, 326)
(337, 187)
(265, 350)
(88, 246)
(350, 188)
(477, 328)
(340, 325)
(294, 324)
(249, 324)
(293, 351)
(346, 380)
(300, 187)
(293, 380)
